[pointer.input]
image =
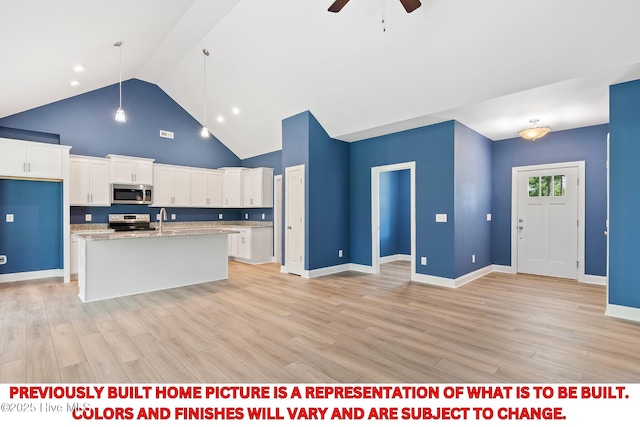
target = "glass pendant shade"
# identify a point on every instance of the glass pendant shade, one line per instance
(534, 132)
(120, 117)
(204, 132)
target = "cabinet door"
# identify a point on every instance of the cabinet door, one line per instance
(181, 187)
(79, 182)
(44, 162)
(121, 171)
(163, 186)
(233, 245)
(99, 181)
(214, 187)
(13, 159)
(248, 187)
(244, 245)
(199, 188)
(142, 172)
(232, 187)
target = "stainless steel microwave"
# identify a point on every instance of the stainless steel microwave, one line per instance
(128, 194)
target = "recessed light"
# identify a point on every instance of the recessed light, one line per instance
(78, 68)
(74, 83)
(236, 110)
(220, 119)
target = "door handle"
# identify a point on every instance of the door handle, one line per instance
(520, 227)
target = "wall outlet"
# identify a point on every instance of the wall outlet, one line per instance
(219, 216)
(3, 259)
(157, 217)
(488, 217)
(87, 217)
(264, 216)
(423, 260)
(246, 216)
(339, 253)
(473, 258)
(9, 217)
(173, 216)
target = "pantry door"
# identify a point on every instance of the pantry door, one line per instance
(547, 222)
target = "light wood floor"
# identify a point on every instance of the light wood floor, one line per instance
(262, 326)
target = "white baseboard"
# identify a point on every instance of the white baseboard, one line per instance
(30, 275)
(433, 280)
(469, 277)
(396, 257)
(503, 269)
(622, 312)
(318, 272)
(360, 268)
(595, 280)
(283, 269)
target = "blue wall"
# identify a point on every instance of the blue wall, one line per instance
(395, 213)
(432, 148)
(472, 200)
(588, 144)
(624, 205)
(33, 241)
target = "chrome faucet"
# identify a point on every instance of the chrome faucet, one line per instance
(163, 215)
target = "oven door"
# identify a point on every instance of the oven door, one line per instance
(131, 194)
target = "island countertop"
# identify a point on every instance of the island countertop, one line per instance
(145, 234)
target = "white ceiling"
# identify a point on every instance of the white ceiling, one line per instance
(485, 63)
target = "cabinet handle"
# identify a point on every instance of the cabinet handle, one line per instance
(92, 198)
(24, 166)
(29, 167)
(88, 198)
(132, 180)
(135, 177)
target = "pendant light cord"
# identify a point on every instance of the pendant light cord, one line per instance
(204, 75)
(120, 50)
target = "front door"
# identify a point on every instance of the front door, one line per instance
(547, 222)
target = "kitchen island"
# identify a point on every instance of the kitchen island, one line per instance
(127, 263)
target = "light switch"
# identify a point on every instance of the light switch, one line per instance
(246, 216)
(219, 216)
(423, 260)
(488, 217)
(9, 217)
(339, 252)
(87, 217)
(263, 216)
(173, 216)
(441, 217)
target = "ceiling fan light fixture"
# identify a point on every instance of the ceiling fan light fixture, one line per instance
(534, 131)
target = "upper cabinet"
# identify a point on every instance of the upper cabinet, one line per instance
(232, 187)
(206, 188)
(130, 170)
(172, 186)
(31, 159)
(257, 188)
(88, 181)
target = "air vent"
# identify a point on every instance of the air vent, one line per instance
(166, 134)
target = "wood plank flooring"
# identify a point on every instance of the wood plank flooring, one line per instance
(262, 326)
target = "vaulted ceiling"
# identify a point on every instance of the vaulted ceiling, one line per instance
(492, 64)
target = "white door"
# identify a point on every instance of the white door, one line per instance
(277, 218)
(547, 222)
(294, 219)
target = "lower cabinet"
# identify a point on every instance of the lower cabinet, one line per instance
(253, 245)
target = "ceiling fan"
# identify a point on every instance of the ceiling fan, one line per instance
(409, 5)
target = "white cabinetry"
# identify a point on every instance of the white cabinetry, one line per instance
(31, 159)
(257, 188)
(130, 170)
(252, 245)
(88, 181)
(172, 185)
(232, 187)
(206, 188)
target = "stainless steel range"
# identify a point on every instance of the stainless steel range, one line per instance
(130, 222)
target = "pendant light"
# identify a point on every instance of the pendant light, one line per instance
(205, 132)
(534, 131)
(120, 117)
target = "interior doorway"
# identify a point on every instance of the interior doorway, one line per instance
(378, 181)
(277, 219)
(294, 219)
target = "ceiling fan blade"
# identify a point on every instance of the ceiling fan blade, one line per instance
(337, 5)
(410, 5)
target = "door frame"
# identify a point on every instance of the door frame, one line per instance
(375, 212)
(277, 219)
(581, 209)
(285, 267)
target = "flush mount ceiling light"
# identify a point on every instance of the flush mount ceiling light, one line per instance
(205, 132)
(120, 117)
(534, 131)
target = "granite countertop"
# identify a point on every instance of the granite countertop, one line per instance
(174, 225)
(175, 232)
